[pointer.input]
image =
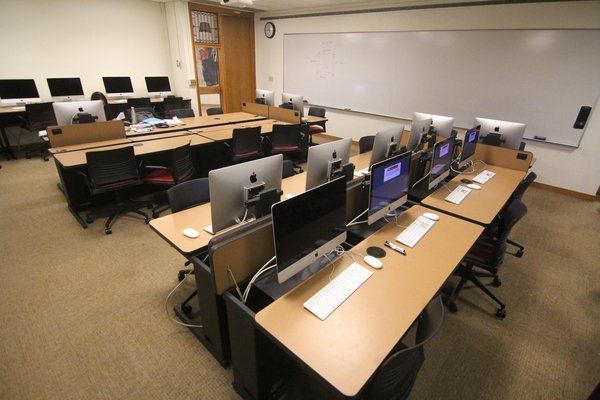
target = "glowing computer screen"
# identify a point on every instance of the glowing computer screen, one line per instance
(440, 163)
(468, 147)
(389, 186)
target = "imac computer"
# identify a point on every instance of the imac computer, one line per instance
(118, 86)
(327, 161)
(389, 186)
(308, 226)
(265, 97)
(440, 163)
(65, 89)
(501, 133)
(468, 147)
(71, 112)
(386, 144)
(296, 100)
(18, 91)
(418, 130)
(242, 191)
(441, 125)
(158, 86)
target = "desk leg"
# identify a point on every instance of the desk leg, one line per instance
(81, 221)
(5, 144)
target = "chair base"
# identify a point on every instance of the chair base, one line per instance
(519, 253)
(119, 210)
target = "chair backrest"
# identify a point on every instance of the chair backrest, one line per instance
(99, 96)
(316, 112)
(246, 141)
(396, 376)
(365, 143)
(182, 165)
(508, 218)
(141, 113)
(523, 185)
(40, 115)
(214, 111)
(172, 103)
(189, 194)
(182, 113)
(286, 137)
(112, 169)
(288, 169)
(139, 102)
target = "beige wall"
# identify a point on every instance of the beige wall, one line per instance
(566, 167)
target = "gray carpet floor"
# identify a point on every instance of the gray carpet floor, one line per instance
(82, 314)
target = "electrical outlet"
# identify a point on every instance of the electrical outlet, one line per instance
(193, 82)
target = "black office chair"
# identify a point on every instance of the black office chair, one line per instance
(180, 170)
(246, 144)
(318, 127)
(39, 116)
(365, 143)
(141, 113)
(214, 111)
(113, 171)
(488, 254)
(518, 195)
(99, 96)
(182, 113)
(139, 102)
(170, 104)
(288, 140)
(288, 169)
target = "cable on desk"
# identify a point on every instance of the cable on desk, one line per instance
(258, 273)
(419, 181)
(357, 217)
(167, 304)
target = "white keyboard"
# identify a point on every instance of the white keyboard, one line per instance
(458, 194)
(415, 231)
(326, 300)
(484, 176)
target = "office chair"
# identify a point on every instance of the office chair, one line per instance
(518, 195)
(246, 144)
(365, 143)
(141, 113)
(182, 113)
(139, 102)
(183, 196)
(488, 254)
(288, 169)
(99, 96)
(170, 104)
(113, 171)
(287, 140)
(318, 127)
(39, 116)
(214, 111)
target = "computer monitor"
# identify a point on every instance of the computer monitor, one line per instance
(389, 186)
(18, 91)
(247, 189)
(507, 134)
(417, 131)
(296, 100)
(308, 226)
(468, 147)
(158, 86)
(118, 86)
(442, 125)
(386, 144)
(326, 161)
(65, 89)
(265, 97)
(440, 163)
(68, 113)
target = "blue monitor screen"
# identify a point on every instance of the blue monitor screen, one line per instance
(389, 182)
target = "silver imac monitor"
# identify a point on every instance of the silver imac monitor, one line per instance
(308, 226)
(326, 161)
(510, 133)
(389, 186)
(265, 97)
(417, 131)
(158, 86)
(442, 125)
(242, 191)
(386, 144)
(65, 89)
(297, 101)
(67, 113)
(468, 147)
(18, 91)
(118, 86)
(440, 163)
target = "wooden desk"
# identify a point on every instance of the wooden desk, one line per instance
(87, 146)
(480, 206)
(348, 347)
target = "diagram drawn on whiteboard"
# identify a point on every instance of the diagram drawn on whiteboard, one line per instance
(324, 61)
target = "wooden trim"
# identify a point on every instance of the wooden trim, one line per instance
(221, 10)
(567, 192)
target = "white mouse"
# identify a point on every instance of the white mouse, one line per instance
(431, 216)
(373, 262)
(473, 186)
(191, 233)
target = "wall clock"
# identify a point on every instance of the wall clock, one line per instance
(269, 30)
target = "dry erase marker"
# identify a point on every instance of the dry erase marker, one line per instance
(395, 248)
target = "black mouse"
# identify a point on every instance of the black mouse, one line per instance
(467, 181)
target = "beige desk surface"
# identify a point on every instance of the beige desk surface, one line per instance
(311, 119)
(348, 347)
(480, 206)
(157, 136)
(91, 145)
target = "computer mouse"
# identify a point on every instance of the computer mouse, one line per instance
(431, 216)
(373, 262)
(191, 233)
(473, 186)
(465, 180)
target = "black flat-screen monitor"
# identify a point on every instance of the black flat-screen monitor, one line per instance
(158, 86)
(468, 147)
(389, 186)
(17, 91)
(326, 161)
(117, 86)
(308, 226)
(440, 163)
(65, 89)
(386, 144)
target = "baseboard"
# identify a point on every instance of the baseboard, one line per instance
(567, 192)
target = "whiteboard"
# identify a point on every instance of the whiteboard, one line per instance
(537, 77)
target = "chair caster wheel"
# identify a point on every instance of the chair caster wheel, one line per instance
(452, 307)
(497, 282)
(108, 231)
(180, 276)
(186, 308)
(519, 253)
(89, 220)
(45, 158)
(147, 220)
(155, 215)
(501, 313)
(27, 156)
